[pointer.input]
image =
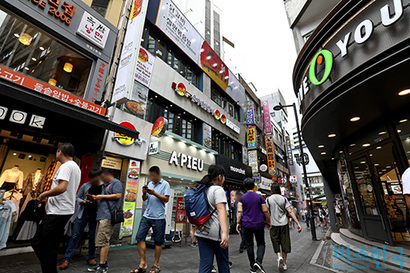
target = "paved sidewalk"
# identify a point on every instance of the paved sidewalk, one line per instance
(183, 259)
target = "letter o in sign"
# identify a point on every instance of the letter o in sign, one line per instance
(322, 58)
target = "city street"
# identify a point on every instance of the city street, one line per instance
(182, 259)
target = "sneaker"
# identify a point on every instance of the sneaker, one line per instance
(102, 269)
(92, 268)
(285, 267)
(230, 264)
(194, 244)
(259, 267)
(213, 269)
(253, 270)
(280, 264)
(64, 265)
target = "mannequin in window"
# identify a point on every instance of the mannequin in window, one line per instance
(12, 178)
(34, 183)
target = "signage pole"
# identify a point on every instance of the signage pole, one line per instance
(309, 200)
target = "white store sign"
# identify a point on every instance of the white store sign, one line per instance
(183, 160)
(93, 30)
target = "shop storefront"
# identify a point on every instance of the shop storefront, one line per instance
(182, 163)
(352, 83)
(52, 73)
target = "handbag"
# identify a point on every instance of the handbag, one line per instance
(117, 215)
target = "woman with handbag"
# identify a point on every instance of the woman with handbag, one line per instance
(108, 214)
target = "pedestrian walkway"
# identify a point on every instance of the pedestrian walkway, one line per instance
(182, 259)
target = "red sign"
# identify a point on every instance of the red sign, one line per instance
(136, 8)
(181, 216)
(49, 90)
(214, 67)
(160, 126)
(123, 139)
(65, 14)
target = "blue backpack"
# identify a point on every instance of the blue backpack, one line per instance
(197, 206)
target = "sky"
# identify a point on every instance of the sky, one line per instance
(264, 51)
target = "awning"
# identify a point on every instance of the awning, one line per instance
(29, 96)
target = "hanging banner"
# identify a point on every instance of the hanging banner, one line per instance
(207, 136)
(253, 160)
(251, 137)
(250, 117)
(138, 103)
(130, 198)
(145, 65)
(270, 153)
(127, 67)
(266, 117)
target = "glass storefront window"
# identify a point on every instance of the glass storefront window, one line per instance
(151, 43)
(30, 51)
(365, 186)
(403, 129)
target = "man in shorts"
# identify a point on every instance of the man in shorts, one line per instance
(279, 208)
(157, 194)
(111, 193)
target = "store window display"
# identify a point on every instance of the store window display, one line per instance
(12, 179)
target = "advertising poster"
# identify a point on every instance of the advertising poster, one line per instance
(145, 65)
(130, 198)
(253, 160)
(138, 101)
(270, 153)
(214, 67)
(181, 216)
(207, 136)
(250, 117)
(266, 117)
(244, 155)
(251, 137)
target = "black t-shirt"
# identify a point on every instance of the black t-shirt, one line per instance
(92, 208)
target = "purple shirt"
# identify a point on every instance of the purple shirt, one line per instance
(252, 210)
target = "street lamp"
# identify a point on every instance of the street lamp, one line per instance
(305, 180)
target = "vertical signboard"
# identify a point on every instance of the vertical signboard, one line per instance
(181, 216)
(266, 117)
(289, 150)
(130, 198)
(207, 136)
(145, 65)
(244, 155)
(270, 153)
(253, 160)
(130, 52)
(250, 115)
(251, 137)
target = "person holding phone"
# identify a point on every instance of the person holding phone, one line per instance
(157, 194)
(279, 207)
(87, 215)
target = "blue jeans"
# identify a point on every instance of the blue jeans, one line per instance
(207, 250)
(158, 228)
(79, 227)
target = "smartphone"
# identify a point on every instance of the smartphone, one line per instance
(89, 197)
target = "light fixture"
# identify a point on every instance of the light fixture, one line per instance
(30, 156)
(403, 121)
(363, 162)
(25, 39)
(41, 48)
(16, 35)
(354, 119)
(321, 146)
(340, 152)
(26, 68)
(388, 167)
(323, 153)
(352, 145)
(332, 135)
(366, 145)
(404, 92)
(370, 154)
(377, 165)
(378, 148)
(34, 59)
(399, 131)
(52, 82)
(382, 133)
(14, 153)
(68, 67)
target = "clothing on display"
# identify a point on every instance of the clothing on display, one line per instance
(34, 183)
(12, 178)
(5, 221)
(52, 169)
(29, 220)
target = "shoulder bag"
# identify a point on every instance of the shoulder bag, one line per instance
(117, 215)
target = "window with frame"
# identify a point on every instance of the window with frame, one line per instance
(100, 6)
(28, 50)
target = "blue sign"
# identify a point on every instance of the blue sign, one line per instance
(250, 116)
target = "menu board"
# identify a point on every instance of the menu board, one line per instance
(130, 198)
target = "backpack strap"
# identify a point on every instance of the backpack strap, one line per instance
(206, 199)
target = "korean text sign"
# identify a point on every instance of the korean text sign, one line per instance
(270, 153)
(251, 137)
(266, 117)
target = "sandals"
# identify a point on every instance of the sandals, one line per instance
(155, 269)
(139, 270)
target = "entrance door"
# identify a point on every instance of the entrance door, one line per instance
(370, 200)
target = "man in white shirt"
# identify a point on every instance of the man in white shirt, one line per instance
(60, 207)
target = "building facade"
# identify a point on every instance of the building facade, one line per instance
(350, 79)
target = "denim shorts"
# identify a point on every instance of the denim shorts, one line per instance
(158, 227)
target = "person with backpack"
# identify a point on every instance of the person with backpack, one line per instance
(279, 207)
(206, 208)
(252, 216)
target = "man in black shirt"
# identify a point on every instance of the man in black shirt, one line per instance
(87, 214)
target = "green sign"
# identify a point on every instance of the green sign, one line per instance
(324, 57)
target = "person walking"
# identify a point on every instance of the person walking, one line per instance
(157, 193)
(252, 216)
(338, 211)
(213, 240)
(242, 245)
(307, 217)
(108, 200)
(60, 208)
(279, 207)
(87, 214)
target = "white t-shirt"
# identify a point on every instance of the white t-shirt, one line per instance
(406, 181)
(64, 204)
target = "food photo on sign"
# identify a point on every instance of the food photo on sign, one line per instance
(160, 127)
